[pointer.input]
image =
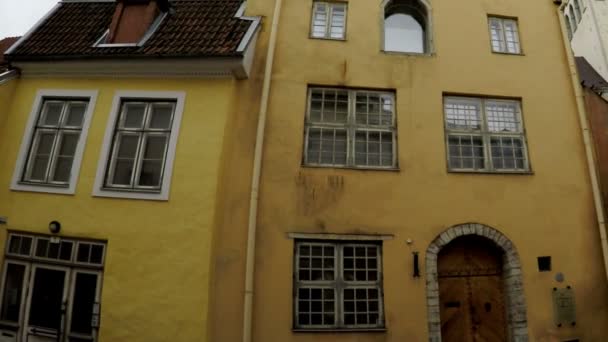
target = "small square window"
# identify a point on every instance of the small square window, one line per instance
(504, 35)
(328, 20)
(544, 263)
(338, 285)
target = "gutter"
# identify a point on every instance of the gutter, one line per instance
(8, 75)
(256, 176)
(589, 152)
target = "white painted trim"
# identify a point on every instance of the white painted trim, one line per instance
(255, 23)
(34, 28)
(29, 131)
(358, 237)
(151, 30)
(8, 75)
(102, 164)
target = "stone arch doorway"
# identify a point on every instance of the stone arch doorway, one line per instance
(493, 252)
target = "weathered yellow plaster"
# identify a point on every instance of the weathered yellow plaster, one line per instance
(549, 212)
(156, 276)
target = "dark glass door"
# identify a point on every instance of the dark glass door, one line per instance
(46, 305)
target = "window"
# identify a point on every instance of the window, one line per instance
(53, 143)
(350, 128)
(328, 20)
(405, 26)
(485, 135)
(139, 146)
(338, 285)
(573, 22)
(568, 27)
(504, 35)
(577, 9)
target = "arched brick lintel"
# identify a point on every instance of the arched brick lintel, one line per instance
(514, 291)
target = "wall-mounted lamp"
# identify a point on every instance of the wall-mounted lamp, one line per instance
(54, 227)
(416, 266)
(3, 220)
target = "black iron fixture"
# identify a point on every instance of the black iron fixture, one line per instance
(416, 266)
(54, 227)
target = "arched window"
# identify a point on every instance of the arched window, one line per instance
(405, 26)
(568, 27)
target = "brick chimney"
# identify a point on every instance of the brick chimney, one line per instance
(132, 19)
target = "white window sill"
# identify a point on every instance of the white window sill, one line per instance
(349, 167)
(44, 188)
(339, 330)
(132, 194)
(412, 54)
(491, 172)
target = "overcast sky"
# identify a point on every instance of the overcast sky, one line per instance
(17, 16)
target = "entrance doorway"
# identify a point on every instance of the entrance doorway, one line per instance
(472, 301)
(50, 290)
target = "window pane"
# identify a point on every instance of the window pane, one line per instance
(75, 114)
(65, 251)
(320, 20)
(42, 154)
(161, 116)
(153, 160)
(402, 33)
(361, 306)
(63, 164)
(85, 287)
(338, 20)
(374, 109)
(316, 306)
(498, 43)
(462, 115)
(20, 245)
(134, 115)
(125, 161)
(13, 287)
(508, 153)
(465, 152)
(327, 146)
(84, 251)
(42, 246)
(96, 254)
(374, 148)
(511, 36)
(51, 113)
(503, 117)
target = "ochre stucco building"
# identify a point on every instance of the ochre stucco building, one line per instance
(424, 178)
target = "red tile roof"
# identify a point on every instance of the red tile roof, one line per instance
(5, 44)
(193, 28)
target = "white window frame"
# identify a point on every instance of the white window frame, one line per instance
(99, 189)
(351, 128)
(24, 151)
(485, 134)
(329, 8)
(503, 47)
(339, 284)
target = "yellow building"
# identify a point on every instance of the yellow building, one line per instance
(424, 178)
(112, 140)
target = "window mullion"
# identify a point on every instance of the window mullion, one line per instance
(328, 20)
(485, 136)
(139, 156)
(52, 153)
(55, 155)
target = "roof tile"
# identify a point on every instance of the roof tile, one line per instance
(193, 28)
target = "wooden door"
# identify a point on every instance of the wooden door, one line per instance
(471, 291)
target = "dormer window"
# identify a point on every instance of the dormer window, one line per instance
(134, 22)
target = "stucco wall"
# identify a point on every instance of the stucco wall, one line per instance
(156, 277)
(7, 89)
(547, 213)
(590, 40)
